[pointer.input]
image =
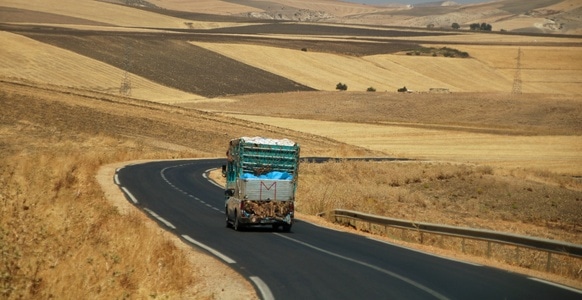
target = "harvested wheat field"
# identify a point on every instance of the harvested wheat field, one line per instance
(561, 154)
(86, 86)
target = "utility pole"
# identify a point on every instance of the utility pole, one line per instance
(125, 88)
(517, 78)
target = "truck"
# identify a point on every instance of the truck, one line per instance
(261, 181)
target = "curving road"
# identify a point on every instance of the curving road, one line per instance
(311, 262)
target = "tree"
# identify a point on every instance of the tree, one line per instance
(456, 26)
(341, 86)
(482, 26)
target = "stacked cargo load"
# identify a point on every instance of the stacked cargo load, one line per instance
(261, 180)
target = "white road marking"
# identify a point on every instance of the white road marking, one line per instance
(117, 179)
(227, 259)
(160, 218)
(184, 192)
(556, 285)
(126, 191)
(389, 273)
(266, 293)
(205, 175)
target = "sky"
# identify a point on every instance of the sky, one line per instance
(410, 1)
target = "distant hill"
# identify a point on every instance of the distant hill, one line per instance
(540, 16)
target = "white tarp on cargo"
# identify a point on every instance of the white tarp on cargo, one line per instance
(268, 141)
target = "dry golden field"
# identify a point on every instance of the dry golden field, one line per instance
(536, 131)
(483, 156)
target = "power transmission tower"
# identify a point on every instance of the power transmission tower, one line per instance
(125, 88)
(517, 78)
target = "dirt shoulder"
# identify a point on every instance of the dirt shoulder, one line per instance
(218, 280)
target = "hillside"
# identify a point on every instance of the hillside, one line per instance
(541, 16)
(193, 65)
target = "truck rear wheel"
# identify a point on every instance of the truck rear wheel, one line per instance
(228, 225)
(286, 227)
(237, 225)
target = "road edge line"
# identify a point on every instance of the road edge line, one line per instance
(227, 259)
(266, 293)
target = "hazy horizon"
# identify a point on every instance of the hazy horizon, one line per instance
(411, 1)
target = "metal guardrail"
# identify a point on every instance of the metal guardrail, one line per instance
(539, 244)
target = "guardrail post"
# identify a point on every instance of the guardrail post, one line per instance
(421, 237)
(549, 262)
(463, 245)
(517, 255)
(488, 249)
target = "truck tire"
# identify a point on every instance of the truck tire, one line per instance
(228, 225)
(286, 227)
(237, 225)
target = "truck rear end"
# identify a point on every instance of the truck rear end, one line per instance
(261, 180)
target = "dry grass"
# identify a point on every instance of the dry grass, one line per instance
(443, 193)
(55, 218)
(490, 69)
(55, 221)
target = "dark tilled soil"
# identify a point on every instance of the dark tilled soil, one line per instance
(174, 63)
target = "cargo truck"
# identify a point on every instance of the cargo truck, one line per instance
(261, 181)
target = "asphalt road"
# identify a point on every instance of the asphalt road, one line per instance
(311, 262)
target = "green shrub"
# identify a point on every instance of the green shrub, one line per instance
(341, 86)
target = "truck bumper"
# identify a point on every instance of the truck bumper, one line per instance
(252, 219)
